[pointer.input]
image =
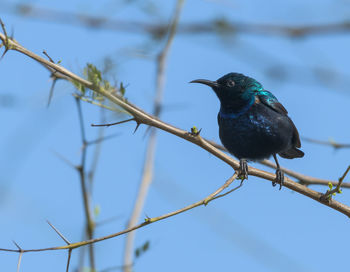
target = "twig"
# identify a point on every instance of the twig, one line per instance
(90, 224)
(148, 166)
(113, 124)
(228, 192)
(329, 193)
(68, 259)
(148, 221)
(330, 142)
(102, 139)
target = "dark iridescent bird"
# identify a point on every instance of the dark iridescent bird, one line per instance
(253, 125)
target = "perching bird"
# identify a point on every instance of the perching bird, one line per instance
(253, 125)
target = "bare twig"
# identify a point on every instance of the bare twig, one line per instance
(90, 224)
(148, 221)
(148, 166)
(68, 259)
(65, 160)
(330, 142)
(113, 124)
(102, 139)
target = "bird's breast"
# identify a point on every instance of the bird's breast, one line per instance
(256, 134)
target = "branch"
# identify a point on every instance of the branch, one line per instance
(214, 26)
(303, 179)
(330, 142)
(148, 221)
(328, 195)
(147, 119)
(90, 223)
(148, 166)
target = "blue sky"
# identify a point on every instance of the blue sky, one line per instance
(256, 228)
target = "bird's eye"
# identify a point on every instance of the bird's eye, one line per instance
(230, 83)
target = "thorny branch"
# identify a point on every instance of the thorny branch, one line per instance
(147, 119)
(303, 179)
(148, 221)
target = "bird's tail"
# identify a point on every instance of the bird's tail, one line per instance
(292, 153)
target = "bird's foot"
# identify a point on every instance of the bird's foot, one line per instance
(279, 178)
(243, 169)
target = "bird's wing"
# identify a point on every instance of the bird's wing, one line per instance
(271, 101)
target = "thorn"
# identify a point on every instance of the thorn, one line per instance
(137, 126)
(47, 55)
(112, 124)
(6, 42)
(60, 234)
(64, 159)
(19, 248)
(51, 90)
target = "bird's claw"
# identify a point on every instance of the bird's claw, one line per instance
(243, 169)
(279, 178)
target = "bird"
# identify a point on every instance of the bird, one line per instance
(253, 124)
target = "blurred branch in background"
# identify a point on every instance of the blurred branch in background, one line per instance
(148, 167)
(159, 30)
(330, 143)
(86, 194)
(220, 26)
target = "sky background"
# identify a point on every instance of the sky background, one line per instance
(258, 227)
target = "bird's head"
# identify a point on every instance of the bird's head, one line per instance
(233, 89)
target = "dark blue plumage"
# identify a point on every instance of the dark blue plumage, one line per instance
(253, 125)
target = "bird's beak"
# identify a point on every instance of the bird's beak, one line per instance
(210, 83)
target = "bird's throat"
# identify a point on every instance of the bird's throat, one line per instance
(235, 108)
